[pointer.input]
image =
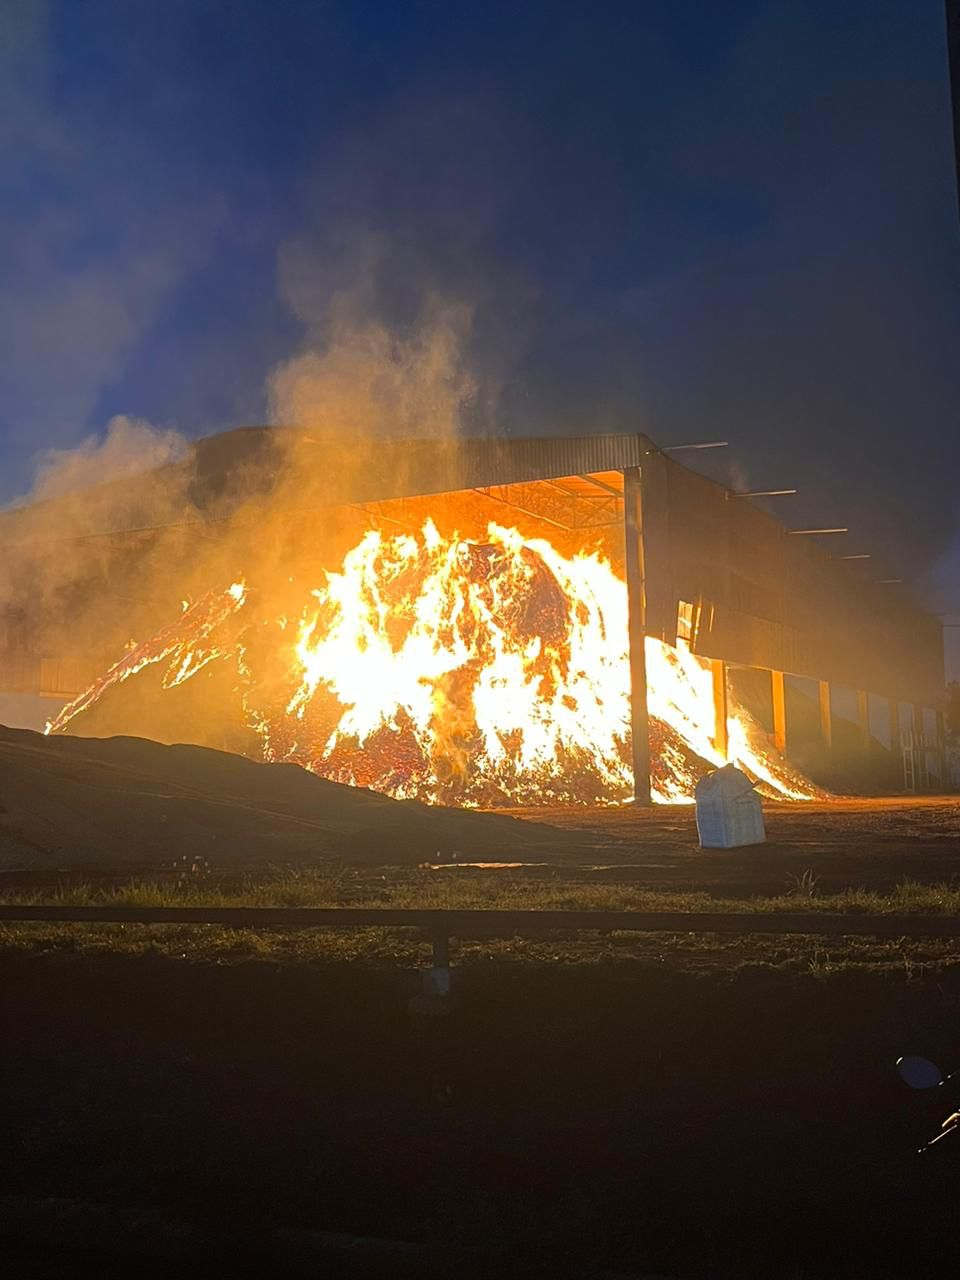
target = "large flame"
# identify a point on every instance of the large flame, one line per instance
(459, 672)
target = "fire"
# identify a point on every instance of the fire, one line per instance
(680, 694)
(188, 642)
(459, 672)
(503, 665)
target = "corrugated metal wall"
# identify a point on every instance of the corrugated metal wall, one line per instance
(776, 601)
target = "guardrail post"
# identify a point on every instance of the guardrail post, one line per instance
(437, 981)
(441, 951)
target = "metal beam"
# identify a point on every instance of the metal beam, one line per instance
(704, 444)
(779, 711)
(637, 631)
(718, 672)
(804, 533)
(826, 714)
(600, 484)
(537, 515)
(762, 493)
(373, 511)
(554, 484)
(554, 504)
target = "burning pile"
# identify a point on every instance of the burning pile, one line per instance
(456, 672)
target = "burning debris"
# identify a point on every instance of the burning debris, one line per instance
(455, 672)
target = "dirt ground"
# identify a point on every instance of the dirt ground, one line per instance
(598, 1105)
(871, 842)
(99, 804)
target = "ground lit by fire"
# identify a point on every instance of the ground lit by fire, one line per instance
(455, 671)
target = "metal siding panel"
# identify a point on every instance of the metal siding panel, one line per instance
(785, 603)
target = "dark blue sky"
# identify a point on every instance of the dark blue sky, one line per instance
(734, 221)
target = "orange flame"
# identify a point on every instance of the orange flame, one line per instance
(453, 671)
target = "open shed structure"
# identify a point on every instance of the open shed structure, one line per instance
(701, 563)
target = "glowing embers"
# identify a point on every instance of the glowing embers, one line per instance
(453, 671)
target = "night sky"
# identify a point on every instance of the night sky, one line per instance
(732, 221)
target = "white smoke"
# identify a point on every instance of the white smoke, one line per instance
(128, 447)
(361, 370)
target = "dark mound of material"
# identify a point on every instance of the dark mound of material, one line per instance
(90, 801)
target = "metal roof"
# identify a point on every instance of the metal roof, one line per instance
(296, 469)
(371, 470)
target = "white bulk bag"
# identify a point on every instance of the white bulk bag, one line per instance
(728, 810)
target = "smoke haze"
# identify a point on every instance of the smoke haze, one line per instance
(128, 447)
(366, 380)
(482, 222)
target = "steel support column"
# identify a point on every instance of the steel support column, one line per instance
(826, 715)
(637, 609)
(863, 718)
(718, 670)
(894, 710)
(923, 779)
(779, 711)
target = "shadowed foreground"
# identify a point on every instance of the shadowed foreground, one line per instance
(561, 1120)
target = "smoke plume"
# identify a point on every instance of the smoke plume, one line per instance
(383, 353)
(372, 381)
(129, 447)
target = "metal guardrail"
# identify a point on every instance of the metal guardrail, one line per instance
(440, 925)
